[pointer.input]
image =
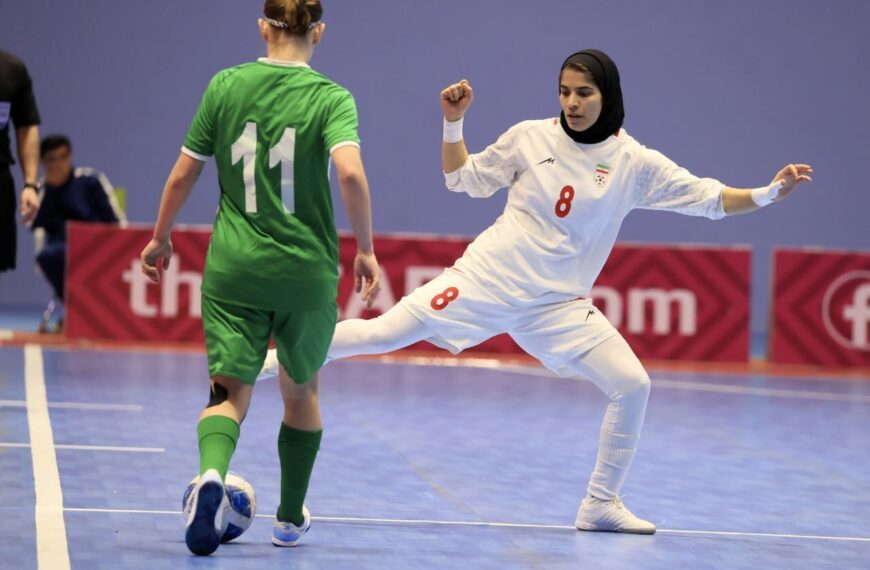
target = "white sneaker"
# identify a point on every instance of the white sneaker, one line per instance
(270, 365)
(610, 516)
(287, 533)
(207, 503)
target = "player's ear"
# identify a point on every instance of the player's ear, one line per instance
(264, 29)
(318, 33)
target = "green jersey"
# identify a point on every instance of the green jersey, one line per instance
(271, 127)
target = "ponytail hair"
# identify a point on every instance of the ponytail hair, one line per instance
(295, 17)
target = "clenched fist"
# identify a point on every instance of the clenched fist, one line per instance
(455, 100)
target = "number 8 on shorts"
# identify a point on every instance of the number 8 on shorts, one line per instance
(443, 299)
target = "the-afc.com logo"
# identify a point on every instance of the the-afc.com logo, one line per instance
(846, 310)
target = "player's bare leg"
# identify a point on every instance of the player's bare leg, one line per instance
(298, 444)
(301, 402)
(233, 404)
(218, 432)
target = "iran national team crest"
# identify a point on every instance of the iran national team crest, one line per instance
(602, 171)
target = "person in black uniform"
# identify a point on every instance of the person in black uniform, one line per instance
(18, 106)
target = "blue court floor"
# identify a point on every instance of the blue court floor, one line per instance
(424, 466)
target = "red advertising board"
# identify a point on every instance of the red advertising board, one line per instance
(821, 307)
(670, 302)
(108, 297)
(679, 302)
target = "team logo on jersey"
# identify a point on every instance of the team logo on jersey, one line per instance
(602, 171)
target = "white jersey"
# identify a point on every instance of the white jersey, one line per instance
(566, 203)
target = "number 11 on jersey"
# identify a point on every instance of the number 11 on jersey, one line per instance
(245, 150)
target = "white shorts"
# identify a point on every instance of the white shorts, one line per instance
(463, 313)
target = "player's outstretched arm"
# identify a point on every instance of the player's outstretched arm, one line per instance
(355, 194)
(178, 186)
(455, 100)
(741, 201)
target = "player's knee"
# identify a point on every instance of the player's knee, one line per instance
(294, 394)
(635, 384)
(299, 401)
(638, 384)
(371, 330)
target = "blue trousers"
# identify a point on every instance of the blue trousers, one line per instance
(52, 261)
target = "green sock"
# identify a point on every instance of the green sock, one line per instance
(297, 450)
(217, 442)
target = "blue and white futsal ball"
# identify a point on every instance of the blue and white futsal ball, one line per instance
(241, 508)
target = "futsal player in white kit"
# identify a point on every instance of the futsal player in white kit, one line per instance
(571, 181)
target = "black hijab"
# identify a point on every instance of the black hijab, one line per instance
(606, 77)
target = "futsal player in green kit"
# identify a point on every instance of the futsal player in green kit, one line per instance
(271, 269)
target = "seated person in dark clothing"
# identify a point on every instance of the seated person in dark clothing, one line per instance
(67, 194)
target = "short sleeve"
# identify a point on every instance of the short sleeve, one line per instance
(24, 112)
(342, 124)
(662, 185)
(200, 140)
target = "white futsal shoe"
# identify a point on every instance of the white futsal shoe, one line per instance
(270, 365)
(610, 516)
(287, 533)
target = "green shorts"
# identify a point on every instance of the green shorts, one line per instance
(237, 337)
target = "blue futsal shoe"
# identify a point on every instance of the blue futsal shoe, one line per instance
(207, 503)
(287, 533)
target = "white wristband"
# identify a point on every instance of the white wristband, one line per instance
(453, 131)
(766, 194)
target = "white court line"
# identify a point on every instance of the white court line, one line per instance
(77, 406)
(51, 546)
(719, 388)
(494, 364)
(94, 447)
(495, 524)
(125, 511)
(767, 392)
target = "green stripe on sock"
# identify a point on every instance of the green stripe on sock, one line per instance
(217, 442)
(297, 451)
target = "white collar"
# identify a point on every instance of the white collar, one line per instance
(283, 63)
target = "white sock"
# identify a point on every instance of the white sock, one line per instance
(615, 454)
(616, 371)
